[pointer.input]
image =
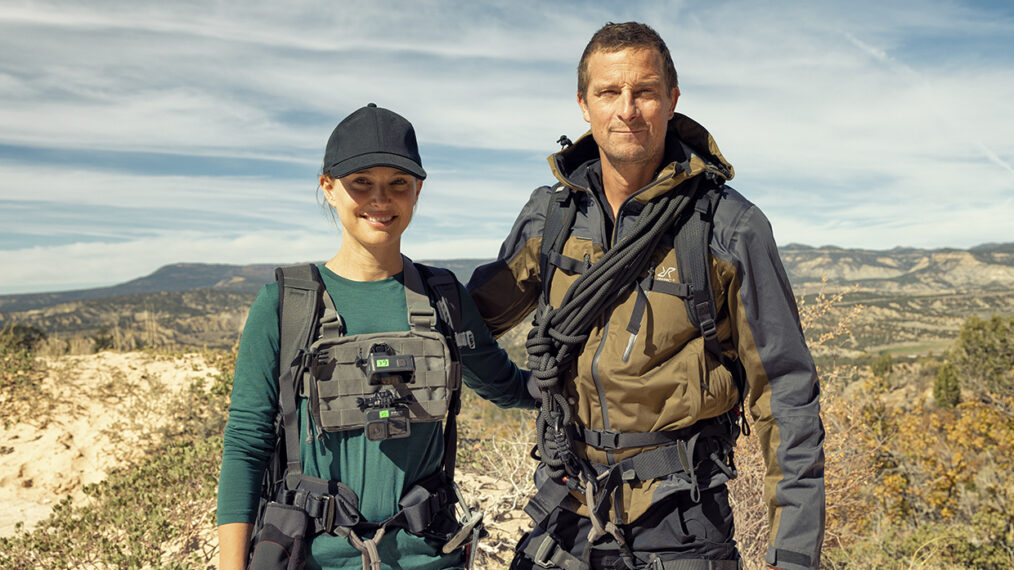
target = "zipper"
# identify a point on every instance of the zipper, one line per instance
(598, 387)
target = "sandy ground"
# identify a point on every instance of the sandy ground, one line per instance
(91, 408)
(80, 429)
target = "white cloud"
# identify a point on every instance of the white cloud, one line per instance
(865, 124)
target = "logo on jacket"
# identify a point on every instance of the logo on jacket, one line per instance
(666, 274)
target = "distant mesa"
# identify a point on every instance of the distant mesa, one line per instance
(910, 270)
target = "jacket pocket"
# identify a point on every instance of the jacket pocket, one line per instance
(710, 386)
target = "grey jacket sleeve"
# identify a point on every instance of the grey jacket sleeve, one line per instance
(783, 387)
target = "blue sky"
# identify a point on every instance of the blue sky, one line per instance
(137, 134)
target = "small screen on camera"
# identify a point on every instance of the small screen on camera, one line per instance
(386, 367)
(387, 423)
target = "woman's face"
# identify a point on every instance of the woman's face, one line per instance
(374, 205)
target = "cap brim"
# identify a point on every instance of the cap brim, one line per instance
(364, 161)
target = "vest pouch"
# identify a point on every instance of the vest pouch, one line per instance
(392, 376)
(281, 541)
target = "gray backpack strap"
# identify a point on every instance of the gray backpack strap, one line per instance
(693, 261)
(692, 245)
(560, 214)
(300, 293)
(421, 316)
(443, 286)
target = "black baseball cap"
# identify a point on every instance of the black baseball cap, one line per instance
(372, 136)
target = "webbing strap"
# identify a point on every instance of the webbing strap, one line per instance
(636, 316)
(613, 440)
(681, 290)
(299, 300)
(792, 557)
(334, 507)
(568, 264)
(674, 459)
(549, 495)
(444, 285)
(421, 316)
(559, 220)
(546, 552)
(692, 246)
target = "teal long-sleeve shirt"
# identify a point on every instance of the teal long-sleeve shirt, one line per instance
(378, 472)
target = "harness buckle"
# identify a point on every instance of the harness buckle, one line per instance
(465, 339)
(327, 514)
(544, 554)
(609, 439)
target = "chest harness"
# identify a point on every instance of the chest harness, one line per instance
(559, 334)
(379, 382)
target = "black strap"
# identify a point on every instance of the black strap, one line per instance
(692, 245)
(546, 552)
(613, 440)
(693, 260)
(560, 216)
(681, 290)
(568, 264)
(444, 287)
(334, 507)
(792, 557)
(300, 293)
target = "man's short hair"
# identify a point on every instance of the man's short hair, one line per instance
(617, 37)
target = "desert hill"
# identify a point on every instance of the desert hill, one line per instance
(914, 299)
(901, 270)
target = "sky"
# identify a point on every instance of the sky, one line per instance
(135, 134)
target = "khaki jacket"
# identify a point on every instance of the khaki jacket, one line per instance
(668, 380)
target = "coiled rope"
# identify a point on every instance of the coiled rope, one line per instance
(559, 334)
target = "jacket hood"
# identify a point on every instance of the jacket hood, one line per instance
(690, 151)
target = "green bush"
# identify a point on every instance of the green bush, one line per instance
(20, 373)
(983, 356)
(984, 544)
(882, 365)
(103, 340)
(947, 387)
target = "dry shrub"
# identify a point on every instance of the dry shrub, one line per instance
(849, 475)
(494, 468)
(825, 317)
(849, 470)
(21, 374)
(499, 476)
(948, 465)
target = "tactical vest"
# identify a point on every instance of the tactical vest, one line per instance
(382, 382)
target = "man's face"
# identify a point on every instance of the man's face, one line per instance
(628, 105)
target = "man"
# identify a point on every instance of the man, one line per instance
(640, 395)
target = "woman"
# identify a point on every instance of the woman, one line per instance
(372, 178)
